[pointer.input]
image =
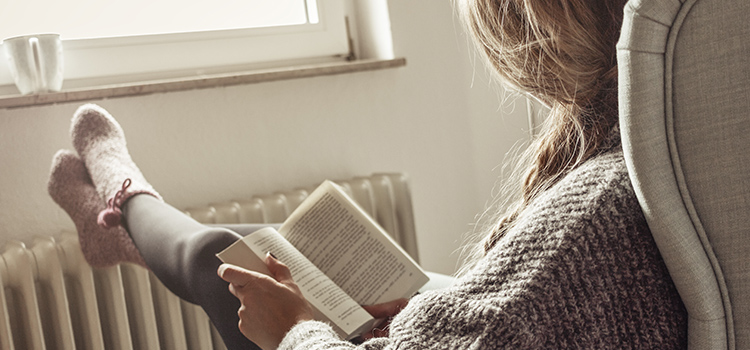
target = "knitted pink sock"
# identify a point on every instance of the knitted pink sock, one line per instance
(100, 142)
(71, 188)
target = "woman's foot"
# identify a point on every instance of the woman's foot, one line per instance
(71, 188)
(100, 142)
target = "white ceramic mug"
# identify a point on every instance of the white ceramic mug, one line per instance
(36, 62)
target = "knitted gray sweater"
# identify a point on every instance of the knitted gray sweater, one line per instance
(579, 270)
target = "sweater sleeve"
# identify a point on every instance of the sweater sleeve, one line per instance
(435, 319)
(579, 269)
(312, 335)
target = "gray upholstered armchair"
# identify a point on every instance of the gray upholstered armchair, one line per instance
(685, 119)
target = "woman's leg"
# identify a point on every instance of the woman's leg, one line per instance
(182, 254)
(179, 250)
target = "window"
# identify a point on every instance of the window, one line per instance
(120, 41)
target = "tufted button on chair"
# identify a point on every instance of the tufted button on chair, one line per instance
(684, 84)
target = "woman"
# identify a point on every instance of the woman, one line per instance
(572, 265)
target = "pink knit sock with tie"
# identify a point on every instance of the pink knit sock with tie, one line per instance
(100, 142)
(71, 188)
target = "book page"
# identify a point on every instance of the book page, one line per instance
(333, 305)
(351, 248)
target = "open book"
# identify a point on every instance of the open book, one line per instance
(338, 255)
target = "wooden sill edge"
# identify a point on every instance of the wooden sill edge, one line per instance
(198, 82)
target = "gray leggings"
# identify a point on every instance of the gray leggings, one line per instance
(182, 254)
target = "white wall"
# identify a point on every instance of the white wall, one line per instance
(199, 146)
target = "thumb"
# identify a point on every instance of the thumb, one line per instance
(235, 274)
(279, 270)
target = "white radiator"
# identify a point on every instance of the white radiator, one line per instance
(50, 298)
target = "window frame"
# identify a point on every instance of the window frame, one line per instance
(103, 61)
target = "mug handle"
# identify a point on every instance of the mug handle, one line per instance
(40, 79)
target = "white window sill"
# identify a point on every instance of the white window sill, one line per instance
(197, 82)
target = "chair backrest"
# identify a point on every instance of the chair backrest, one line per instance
(684, 88)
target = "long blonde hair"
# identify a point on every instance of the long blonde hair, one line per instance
(561, 52)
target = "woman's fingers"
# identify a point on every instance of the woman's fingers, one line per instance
(279, 270)
(388, 309)
(234, 274)
(270, 305)
(240, 278)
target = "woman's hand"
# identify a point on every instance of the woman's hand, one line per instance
(271, 305)
(385, 311)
